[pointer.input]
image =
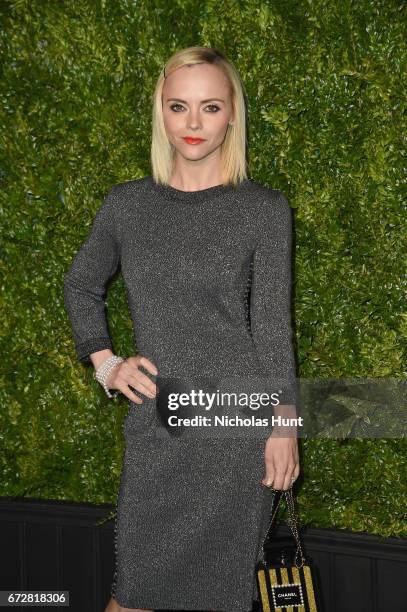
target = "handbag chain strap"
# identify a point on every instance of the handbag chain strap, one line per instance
(270, 525)
(292, 522)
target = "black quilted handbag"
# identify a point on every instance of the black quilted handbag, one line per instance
(287, 581)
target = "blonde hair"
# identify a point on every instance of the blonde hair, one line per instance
(233, 148)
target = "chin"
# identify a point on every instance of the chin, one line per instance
(195, 155)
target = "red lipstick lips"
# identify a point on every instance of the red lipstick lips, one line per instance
(190, 140)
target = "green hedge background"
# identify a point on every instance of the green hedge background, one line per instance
(327, 105)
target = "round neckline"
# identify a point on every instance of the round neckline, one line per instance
(198, 195)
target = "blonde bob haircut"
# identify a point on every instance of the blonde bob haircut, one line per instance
(233, 148)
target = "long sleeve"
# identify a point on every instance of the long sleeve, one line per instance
(270, 300)
(86, 281)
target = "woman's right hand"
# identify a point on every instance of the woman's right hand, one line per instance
(128, 373)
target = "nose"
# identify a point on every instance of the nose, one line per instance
(194, 120)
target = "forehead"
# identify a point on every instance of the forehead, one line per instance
(197, 81)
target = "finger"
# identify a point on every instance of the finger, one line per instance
(122, 381)
(131, 375)
(287, 482)
(288, 478)
(137, 386)
(267, 480)
(140, 382)
(148, 365)
(144, 380)
(269, 474)
(279, 479)
(296, 472)
(128, 393)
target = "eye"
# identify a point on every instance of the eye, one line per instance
(215, 107)
(172, 107)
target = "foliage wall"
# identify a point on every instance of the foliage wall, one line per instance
(326, 114)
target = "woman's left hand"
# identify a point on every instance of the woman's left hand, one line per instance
(281, 459)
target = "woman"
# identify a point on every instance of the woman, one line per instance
(205, 256)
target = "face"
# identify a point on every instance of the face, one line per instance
(197, 104)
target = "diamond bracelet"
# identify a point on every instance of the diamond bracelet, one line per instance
(103, 371)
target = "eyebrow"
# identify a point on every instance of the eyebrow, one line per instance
(184, 101)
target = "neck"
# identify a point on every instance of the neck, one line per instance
(194, 175)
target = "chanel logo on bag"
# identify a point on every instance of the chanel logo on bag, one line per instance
(287, 595)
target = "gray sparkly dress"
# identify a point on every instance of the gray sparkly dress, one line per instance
(208, 280)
